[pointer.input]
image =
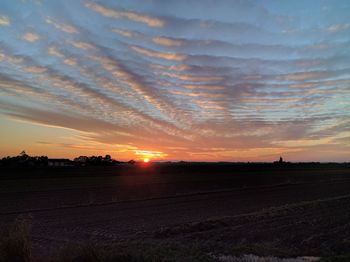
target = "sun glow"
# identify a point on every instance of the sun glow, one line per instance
(147, 155)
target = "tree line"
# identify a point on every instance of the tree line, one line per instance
(23, 159)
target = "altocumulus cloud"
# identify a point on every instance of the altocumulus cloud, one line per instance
(196, 80)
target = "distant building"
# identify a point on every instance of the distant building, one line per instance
(59, 162)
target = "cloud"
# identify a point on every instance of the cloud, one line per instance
(12, 59)
(4, 20)
(141, 89)
(319, 46)
(150, 154)
(180, 67)
(132, 16)
(205, 104)
(31, 37)
(126, 33)
(156, 54)
(70, 61)
(63, 27)
(204, 85)
(165, 41)
(31, 92)
(81, 45)
(303, 85)
(52, 50)
(47, 117)
(338, 27)
(193, 78)
(301, 76)
(35, 69)
(252, 77)
(197, 94)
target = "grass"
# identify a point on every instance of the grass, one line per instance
(15, 246)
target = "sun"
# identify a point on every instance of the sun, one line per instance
(146, 160)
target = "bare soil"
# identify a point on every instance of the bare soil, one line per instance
(280, 212)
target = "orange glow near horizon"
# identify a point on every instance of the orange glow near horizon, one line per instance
(147, 155)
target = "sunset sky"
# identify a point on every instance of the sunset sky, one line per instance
(201, 80)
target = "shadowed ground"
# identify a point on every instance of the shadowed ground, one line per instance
(282, 212)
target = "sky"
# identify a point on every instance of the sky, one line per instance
(195, 80)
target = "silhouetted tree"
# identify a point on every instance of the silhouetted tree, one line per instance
(107, 158)
(96, 160)
(25, 160)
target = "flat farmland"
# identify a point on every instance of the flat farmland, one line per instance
(199, 211)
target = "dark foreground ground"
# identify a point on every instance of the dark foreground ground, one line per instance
(182, 212)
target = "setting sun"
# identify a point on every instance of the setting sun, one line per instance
(146, 160)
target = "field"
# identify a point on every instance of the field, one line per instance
(184, 211)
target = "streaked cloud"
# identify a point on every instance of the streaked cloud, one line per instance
(193, 78)
(62, 26)
(302, 76)
(165, 41)
(207, 86)
(180, 67)
(197, 94)
(125, 33)
(133, 16)
(156, 54)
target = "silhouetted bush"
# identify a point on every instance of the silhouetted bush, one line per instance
(16, 245)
